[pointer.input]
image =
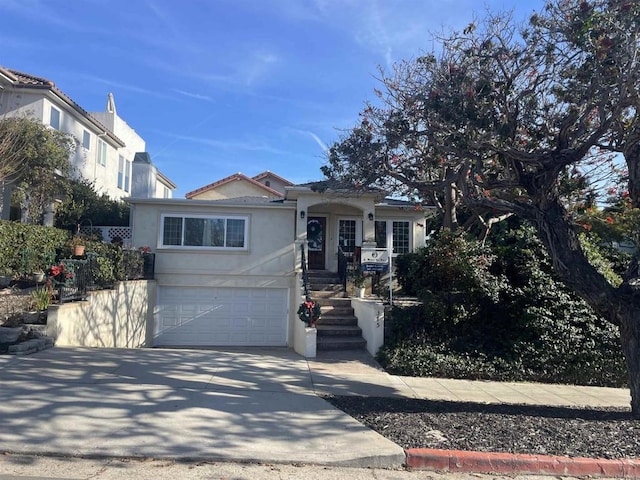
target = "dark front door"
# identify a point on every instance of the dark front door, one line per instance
(316, 242)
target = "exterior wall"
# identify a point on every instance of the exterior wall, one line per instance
(274, 183)
(21, 102)
(120, 318)
(370, 314)
(269, 262)
(233, 189)
(270, 252)
(133, 143)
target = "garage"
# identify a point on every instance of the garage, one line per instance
(206, 316)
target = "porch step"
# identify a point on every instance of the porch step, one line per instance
(326, 287)
(340, 343)
(338, 330)
(343, 320)
(326, 294)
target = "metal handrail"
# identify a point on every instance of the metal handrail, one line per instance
(342, 267)
(305, 270)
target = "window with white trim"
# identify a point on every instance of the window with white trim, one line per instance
(102, 153)
(86, 140)
(396, 233)
(121, 172)
(211, 232)
(127, 175)
(54, 118)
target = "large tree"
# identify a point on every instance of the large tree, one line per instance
(500, 116)
(35, 159)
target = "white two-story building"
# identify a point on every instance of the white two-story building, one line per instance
(106, 146)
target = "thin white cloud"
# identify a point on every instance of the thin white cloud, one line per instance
(315, 137)
(197, 96)
(124, 86)
(230, 145)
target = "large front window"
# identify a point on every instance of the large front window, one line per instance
(219, 232)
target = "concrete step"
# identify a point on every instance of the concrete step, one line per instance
(336, 302)
(340, 343)
(325, 294)
(336, 311)
(322, 274)
(338, 330)
(346, 320)
(315, 286)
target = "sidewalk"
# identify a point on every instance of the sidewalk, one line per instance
(255, 405)
(350, 373)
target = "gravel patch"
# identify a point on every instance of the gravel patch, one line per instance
(574, 432)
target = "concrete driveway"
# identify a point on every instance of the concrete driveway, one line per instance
(245, 405)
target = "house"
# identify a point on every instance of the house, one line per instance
(105, 144)
(229, 270)
(266, 184)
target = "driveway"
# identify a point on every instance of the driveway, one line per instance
(246, 405)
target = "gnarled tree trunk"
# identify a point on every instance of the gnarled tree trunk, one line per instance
(620, 306)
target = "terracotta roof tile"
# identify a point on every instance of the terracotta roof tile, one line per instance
(230, 178)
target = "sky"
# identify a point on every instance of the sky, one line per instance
(217, 87)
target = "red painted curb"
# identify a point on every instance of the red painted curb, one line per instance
(487, 462)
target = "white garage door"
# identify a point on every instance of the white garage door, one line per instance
(205, 316)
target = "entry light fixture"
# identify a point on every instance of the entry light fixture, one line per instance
(302, 214)
(370, 216)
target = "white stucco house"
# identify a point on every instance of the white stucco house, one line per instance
(105, 145)
(229, 270)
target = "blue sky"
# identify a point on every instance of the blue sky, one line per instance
(217, 87)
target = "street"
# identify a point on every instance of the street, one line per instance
(50, 468)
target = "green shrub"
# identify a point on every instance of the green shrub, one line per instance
(28, 248)
(513, 320)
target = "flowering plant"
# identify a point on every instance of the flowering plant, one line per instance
(309, 312)
(59, 273)
(145, 250)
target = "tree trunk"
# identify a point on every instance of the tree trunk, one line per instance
(620, 306)
(450, 221)
(630, 339)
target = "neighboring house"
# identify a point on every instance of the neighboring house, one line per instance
(228, 271)
(105, 144)
(266, 184)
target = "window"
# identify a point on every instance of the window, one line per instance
(86, 140)
(400, 237)
(102, 153)
(121, 172)
(127, 175)
(201, 231)
(396, 232)
(54, 119)
(381, 234)
(347, 236)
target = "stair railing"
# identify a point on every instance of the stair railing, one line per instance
(305, 270)
(342, 267)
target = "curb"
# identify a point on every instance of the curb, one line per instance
(515, 463)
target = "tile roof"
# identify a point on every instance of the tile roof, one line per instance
(267, 173)
(26, 80)
(231, 178)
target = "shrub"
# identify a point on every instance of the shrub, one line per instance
(514, 321)
(27, 248)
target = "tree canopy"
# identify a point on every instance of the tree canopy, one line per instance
(500, 116)
(36, 159)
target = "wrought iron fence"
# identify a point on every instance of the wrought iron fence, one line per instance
(86, 274)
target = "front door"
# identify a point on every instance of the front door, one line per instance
(316, 242)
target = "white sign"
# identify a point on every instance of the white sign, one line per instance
(374, 255)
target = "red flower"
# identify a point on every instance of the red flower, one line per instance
(609, 220)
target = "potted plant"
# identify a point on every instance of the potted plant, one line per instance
(38, 275)
(78, 245)
(358, 278)
(5, 277)
(40, 300)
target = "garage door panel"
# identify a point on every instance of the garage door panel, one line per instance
(203, 316)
